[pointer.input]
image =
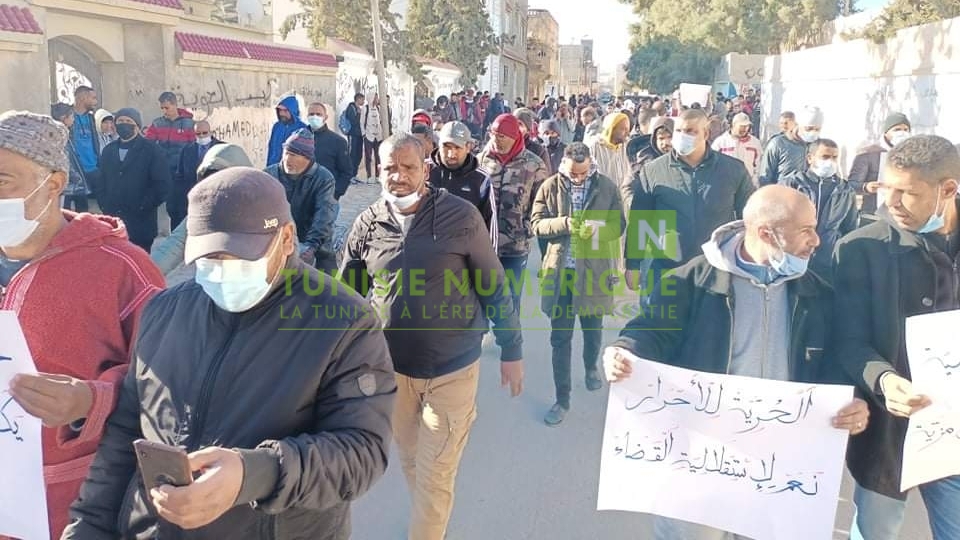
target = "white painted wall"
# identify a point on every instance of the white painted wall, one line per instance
(858, 83)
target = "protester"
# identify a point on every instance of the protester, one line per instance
(741, 144)
(752, 274)
(288, 461)
(550, 135)
(609, 153)
(134, 178)
(901, 266)
(77, 287)
(834, 199)
(107, 133)
(787, 155)
(458, 171)
(288, 122)
(84, 134)
(589, 127)
(330, 148)
(661, 142)
(567, 124)
(869, 162)
(309, 189)
(528, 127)
(372, 137)
(444, 109)
(417, 229)
(186, 175)
(173, 131)
(565, 213)
(76, 191)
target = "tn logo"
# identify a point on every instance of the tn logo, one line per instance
(271, 223)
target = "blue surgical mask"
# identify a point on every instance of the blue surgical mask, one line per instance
(235, 285)
(788, 265)
(316, 121)
(936, 221)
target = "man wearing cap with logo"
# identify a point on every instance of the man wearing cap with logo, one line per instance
(437, 284)
(310, 191)
(788, 154)
(741, 144)
(458, 171)
(134, 177)
(77, 287)
(284, 425)
(868, 166)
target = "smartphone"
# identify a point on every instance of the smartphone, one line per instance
(162, 464)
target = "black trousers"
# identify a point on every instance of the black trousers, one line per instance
(562, 321)
(371, 157)
(356, 152)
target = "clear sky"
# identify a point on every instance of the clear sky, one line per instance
(606, 21)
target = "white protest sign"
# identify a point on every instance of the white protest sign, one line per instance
(695, 93)
(23, 499)
(932, 444)
(750, 456)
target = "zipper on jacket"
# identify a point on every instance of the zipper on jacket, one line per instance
(206, 389)
(765, 331)
(730, 339)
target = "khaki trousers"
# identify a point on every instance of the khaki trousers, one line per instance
(431, 423)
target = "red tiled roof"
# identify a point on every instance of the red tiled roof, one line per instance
(347, 47)
(248, 50)
(16, 19)
(172, 4)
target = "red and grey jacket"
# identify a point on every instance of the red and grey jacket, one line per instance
(172, 135)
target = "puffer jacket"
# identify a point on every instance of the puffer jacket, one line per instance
(307, 450)
(173, 136)
(312, 204)
(514, 188)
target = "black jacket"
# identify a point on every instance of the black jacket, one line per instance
(186, 176)
(331, 152)
(702, 199)
(702, 310)
(312, 205)
(353, 115)
(538, 150)
(866, 168)
(555, 153)
(884, 275)
(442, 274)
(836, 205)
(135, 186)
(308, 411)
(468, 182)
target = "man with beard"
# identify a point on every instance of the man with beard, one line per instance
(609, 152)
(867, 167)
(288, 123)
(458, 171)
(528, 128)
(661, 137)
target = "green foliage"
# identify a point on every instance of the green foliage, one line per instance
(661, 64)
(351, 21)
(454, 32)
(906, 13)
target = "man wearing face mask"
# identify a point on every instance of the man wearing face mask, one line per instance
(788, 154)
(752, 274)
(870, 162)
(285, 427)
(528, 125)
(903, 265)
(704, 188)
(186, 176)
(741, 144)
(77, 287)
(458, 171)
(309, 189)
(412, 240)
(134, 179)
(330, 149)
(834, 199)
(550, 135)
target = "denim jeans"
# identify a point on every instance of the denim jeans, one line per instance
(514, 267)
(665, 528)
(879, 517)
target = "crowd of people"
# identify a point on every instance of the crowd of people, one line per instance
(285, 429)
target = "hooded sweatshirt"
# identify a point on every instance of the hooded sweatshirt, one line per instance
(611, 159)
(761, 312)
(649, 151)
(105, 138)
(78, 303)
(282, 130)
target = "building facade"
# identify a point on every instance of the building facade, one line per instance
(217, 56)
(506, 71)
(543, 53)
(578, 74)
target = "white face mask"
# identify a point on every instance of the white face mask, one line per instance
(316, 121)
(15, 228)
(824, 168)
(235, 285)
(204, 141)
(809, 136)
(898, 137)
(684, 144)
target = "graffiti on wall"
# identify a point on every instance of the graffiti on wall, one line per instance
(68, 80)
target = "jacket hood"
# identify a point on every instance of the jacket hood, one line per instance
(721, 251)
(610, 122)
(292, 105)
(184, 113)
(84, 229)
(99, 116)
(469, 165)
(223, 156)
(658, 123)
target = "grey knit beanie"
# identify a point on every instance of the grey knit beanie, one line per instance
(37, 137)
(130, 113)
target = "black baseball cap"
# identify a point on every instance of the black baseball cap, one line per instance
(237, 211)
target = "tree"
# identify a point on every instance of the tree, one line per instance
(350, 21)
(454, 32)
(662, 63)
(902, 14)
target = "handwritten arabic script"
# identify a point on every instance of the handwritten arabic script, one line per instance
(933, 436)
(23, 507)
(727, 449)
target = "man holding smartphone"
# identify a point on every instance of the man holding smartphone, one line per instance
(285, 424)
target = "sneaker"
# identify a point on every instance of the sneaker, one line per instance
(556, 415)
(593, 381)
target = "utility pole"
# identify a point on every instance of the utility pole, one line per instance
(379, 66)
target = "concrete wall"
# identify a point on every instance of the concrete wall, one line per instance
(858, 83)
(26, 78)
